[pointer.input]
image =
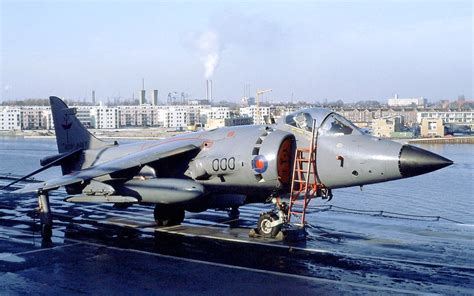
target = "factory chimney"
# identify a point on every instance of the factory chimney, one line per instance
(210, 91)
(93, 98)
(155, 97)
(142, 93)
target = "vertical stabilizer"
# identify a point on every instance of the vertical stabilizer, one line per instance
(70, 133)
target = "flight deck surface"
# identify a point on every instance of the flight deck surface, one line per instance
(100, 249)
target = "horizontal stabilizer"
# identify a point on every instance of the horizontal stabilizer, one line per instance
(102, 199)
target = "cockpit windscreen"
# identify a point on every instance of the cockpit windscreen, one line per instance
(336, 125)
(301, 120)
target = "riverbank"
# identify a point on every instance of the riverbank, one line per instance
(444, 140)
(161, 133)
(139, 134)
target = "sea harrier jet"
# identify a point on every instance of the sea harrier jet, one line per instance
(224, 168)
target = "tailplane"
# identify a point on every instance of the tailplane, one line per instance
(70, 133)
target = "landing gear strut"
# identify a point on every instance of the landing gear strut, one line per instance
(46, 218)
(166, 215)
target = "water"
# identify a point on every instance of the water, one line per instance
(20, 156)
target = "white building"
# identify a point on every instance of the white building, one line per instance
(196, 114)
(145, 115)
(251, 111)
(10, 119)
(455, 117)
(398, 102)
(36, 117)
(175, 117)
(209, 112)
(104, 117)
(83, 113)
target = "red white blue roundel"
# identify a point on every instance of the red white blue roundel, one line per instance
(259, 164)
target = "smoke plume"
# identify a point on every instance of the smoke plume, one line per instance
(208, 44)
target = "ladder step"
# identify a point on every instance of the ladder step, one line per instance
(303, 149)
(299, 181)
(297, 201)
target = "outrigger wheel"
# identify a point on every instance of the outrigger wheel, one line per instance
(46, 218)
(46, 231)
(264, 225)
(166, 215)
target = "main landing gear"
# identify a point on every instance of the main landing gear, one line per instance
(234, 212)
(46, 219)
(166, 215)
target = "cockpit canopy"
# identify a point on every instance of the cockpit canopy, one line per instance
(328, 122)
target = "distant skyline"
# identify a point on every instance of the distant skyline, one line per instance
(360, 50)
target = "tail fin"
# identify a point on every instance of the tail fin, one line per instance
(70, 133)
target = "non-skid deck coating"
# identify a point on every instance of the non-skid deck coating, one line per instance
(102, 250)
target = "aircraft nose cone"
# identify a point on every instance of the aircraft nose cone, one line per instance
(414, 161)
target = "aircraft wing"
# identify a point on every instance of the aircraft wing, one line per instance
(132, 160)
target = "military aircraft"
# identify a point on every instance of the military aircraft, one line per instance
(219, 169)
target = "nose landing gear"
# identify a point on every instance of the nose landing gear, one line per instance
(270, 224)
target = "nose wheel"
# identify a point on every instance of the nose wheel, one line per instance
(268, 225)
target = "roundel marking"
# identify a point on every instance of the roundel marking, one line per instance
(260, 164)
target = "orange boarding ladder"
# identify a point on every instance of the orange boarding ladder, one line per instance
(304, 184)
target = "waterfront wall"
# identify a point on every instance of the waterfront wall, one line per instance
(445, 140)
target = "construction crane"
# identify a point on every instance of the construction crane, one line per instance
(260, 92)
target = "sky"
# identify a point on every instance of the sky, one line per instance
(305, 50)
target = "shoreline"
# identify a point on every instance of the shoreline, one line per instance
(139, 134)
(154, 134)
(443, 140)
